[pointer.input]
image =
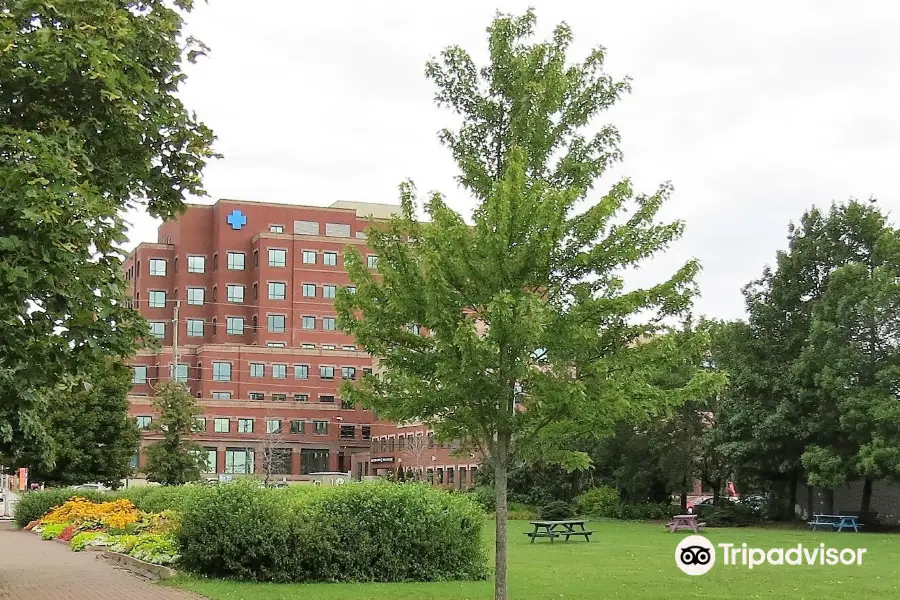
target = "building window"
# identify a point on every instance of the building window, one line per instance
(256, 259)
(329, 291)
(234, 293)
(326, 372)
(215, 293)
(349, 347)
(234, 325)
(276, 228)
(348, 432)
(236, 261)
(158, 267)
(326, 398)
(348, 372)
(296, 426)
(329, 347)
(367, 370)
(245, 426)
(144, 422)
(277, 257)
(372, 261)
(221, 371)
(195, 296)
(158, 329)
(210, 460)
(181, 373)
(195, 327)
(275, 344)
(320, 427)
(329, 323)
(329, 259)
(301, 371)
(199, 424)
(156, 299)
(301, 397)
(309, 257)
(221, 395)
(256, 291)
(307, 346)
(257, 370)
(279, 371)
(196, 264)
(277, 290)
(351, 289)
(367, 432)
(313, 461)
(139, 375)
(256, 396)
(309, 290)
(309, 322)
(450, 475)
(276, 323)
(215, 262)
(239, 461)
(279, 397)
(273, 426)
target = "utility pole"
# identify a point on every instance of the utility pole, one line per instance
(174, 371)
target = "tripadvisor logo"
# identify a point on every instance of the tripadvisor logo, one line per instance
(696, 555)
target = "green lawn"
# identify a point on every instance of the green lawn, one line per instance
(625, 560)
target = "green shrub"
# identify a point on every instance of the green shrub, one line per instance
(522, 512)
(158, 498)
(731, 514)
(51, 531)
(600, 501)
(647, 511)
(409, 532)
(354, 532)
(244, 532)
(34, 505)
(483, 495)
(556, 511)
(123, 543)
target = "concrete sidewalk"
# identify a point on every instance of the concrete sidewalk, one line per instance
(32, 569)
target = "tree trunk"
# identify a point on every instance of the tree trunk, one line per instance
(500, 459)
(717, 486)
(866, 502)
(683, 502)
(828, 495)
(792, 497)
(810, 501)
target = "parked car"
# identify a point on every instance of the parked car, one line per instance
(706, 504)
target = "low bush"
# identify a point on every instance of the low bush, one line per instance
(483, 495)
(88, 538)
(50, 532)
(602, 501)
(354, 532)
(647, 511)
(156, 499)
(522, 512)
(731, 514)
(34, 505)
(156, 549)
(556, 511)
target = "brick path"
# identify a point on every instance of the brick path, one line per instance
(32, 569)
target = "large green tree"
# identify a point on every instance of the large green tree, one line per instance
(90, 124)
(531, 335)
(175, 458)
(93, 437)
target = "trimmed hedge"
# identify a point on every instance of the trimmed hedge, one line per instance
(556, 511)
(31, 506)
(354, 532)
(604, 502)
(159, 498)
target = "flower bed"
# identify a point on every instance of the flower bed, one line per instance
(117, 525)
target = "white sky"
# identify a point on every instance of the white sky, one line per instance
(755, 111)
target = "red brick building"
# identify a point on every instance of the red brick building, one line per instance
(243, 291)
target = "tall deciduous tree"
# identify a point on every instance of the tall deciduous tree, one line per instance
(175, 459)
(90, 124)
(93, 437)
(527, 308)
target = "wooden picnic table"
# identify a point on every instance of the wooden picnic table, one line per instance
(680, 522)
(554, 529)
(836, 522)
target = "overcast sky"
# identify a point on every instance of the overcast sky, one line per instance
(755, 111)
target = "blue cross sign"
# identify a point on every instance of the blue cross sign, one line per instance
(236, 219)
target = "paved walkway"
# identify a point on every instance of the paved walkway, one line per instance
(32, 569)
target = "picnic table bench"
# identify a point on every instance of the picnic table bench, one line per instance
(835, 522)
(680, 522)
(555, 529)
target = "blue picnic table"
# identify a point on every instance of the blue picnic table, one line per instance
(836, 522)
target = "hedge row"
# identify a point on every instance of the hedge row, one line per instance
(604, 502)
(355, 532)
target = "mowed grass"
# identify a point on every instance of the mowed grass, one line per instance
(623, 560)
